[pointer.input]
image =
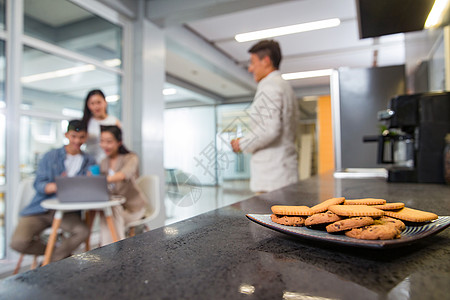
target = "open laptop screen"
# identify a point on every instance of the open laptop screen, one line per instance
(82, 189)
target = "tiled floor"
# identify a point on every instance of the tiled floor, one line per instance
(180, 203)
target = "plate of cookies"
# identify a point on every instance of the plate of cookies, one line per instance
(367, 222)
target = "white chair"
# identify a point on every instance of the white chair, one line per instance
(149, 185)
(26, 193)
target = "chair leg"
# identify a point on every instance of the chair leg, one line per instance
(34, 264)
(90, 216)
(109, 220)
(131, 232)
(52, 239)
(19, 263)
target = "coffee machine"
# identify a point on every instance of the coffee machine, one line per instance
(413, 137)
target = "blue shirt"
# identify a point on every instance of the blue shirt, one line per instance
(51, 166)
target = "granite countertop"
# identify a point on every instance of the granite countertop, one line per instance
(223, 255)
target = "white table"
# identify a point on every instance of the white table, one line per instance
(60, 208)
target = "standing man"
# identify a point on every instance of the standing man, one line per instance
(273, 125)
(70, 161)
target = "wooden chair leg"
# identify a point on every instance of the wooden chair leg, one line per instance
(52, 239)
(112, 229)
(131, 232)
(90, 216)
(34, 264)
(109, 220)
(18, 265)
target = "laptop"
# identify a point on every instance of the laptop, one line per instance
(82, 189)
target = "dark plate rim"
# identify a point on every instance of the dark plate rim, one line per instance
(433, 228)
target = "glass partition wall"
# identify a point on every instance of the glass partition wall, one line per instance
(56, 86)
(66, 25)
(233, 121)
(204, 134)
(65, 51)
(191, 129)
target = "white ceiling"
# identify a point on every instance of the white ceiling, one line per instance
(210, 66)
(331, 48)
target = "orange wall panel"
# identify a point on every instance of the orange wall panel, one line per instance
(325, 135)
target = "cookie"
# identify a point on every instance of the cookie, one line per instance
(411, 215)
(286, 210)
(365, 201)
(288, 220)
(390, 206)
(384, 220)
(374, 232)
(356, 210)
(322, 218)
(321, 207)
(349, 223)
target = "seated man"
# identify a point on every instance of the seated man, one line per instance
(68, 160)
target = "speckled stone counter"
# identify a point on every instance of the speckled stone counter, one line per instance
(223, 255)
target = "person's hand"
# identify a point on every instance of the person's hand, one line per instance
(235, 145)
(50, 188)
(118, 176)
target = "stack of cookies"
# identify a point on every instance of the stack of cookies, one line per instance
(368, 218)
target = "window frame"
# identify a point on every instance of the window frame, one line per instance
(15, 39)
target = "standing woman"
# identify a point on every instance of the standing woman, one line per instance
(95, 115)
(122, 169)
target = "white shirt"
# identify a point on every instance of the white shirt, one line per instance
(93, 141)
(271, 136)
(73, 164)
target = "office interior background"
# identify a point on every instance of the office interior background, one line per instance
(176, 78)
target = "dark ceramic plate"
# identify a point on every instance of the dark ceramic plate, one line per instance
(409, 235)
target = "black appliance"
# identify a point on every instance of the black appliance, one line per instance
(413, 141)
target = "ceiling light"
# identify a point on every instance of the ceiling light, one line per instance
(69, 71)
(169, 91)
(57, 74)
(112, 62)
(112, 98)
(278, 31)
(72, 113)
(25, 106)
(435, 15)
(307, 74)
